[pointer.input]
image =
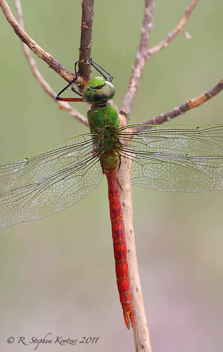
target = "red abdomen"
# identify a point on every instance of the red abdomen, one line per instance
(120, 251)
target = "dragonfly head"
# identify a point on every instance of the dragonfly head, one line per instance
(98, 91)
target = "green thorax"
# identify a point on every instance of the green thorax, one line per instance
(100, 117)
(104, 122)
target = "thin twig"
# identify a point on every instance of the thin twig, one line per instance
(63, 105)
(179, 28)
(183, 108)
(141, 58)
(144, 54)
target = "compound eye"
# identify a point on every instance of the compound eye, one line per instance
(99, 87)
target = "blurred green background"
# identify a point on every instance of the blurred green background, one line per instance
(57, 273)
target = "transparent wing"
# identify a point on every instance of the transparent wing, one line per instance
(49, 182)
(187, 159)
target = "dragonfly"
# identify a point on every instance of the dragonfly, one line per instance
(164, 158)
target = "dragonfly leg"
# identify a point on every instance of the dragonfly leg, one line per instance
(98, 68)
(73, 89)
(95, 64)
(118, 183)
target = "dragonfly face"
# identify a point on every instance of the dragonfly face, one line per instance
(98, 91)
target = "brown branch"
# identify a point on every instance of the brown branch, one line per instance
(62, 105)
(179, 28)
(183, 108)
(86, 39)
(141, 58)
(41, 53)
(141, 332)
(85, 50)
